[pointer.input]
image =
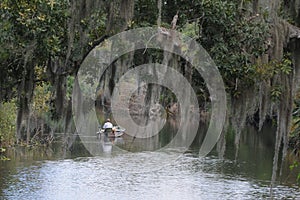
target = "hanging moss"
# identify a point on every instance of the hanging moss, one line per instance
(258, 98)
(242, 108)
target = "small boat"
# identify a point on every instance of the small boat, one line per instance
(116, 131)
(118, 134)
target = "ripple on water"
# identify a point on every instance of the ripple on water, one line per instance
(136, 176)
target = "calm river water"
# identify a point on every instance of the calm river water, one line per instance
(55, 174)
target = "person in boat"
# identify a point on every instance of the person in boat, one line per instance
(108, 125)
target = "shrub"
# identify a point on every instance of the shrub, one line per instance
(7, 123)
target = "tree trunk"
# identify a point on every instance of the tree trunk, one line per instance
(25, 94)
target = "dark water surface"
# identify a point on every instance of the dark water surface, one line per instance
(53, 174)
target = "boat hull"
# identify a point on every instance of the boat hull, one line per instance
(118, 132)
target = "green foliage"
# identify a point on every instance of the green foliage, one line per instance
(2, 156)
(232, 37)
(45, 37)
(42, 21)
(70, 83)
(285, 66)
(276, 92)
(233, 40)
(293, 167)
(33, 31)
(7, 123)
(295, 128)
(269, 70)
(191, 29)
(42, 94)
(294, 142)
(145, 13)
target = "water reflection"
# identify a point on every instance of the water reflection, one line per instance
(92, 178)
(134, 174)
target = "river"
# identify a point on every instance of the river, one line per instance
(43, 173)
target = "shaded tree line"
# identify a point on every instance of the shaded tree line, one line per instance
(44, 42)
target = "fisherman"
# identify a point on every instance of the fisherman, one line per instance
(107, 124)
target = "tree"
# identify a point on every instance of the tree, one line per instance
(54, 35)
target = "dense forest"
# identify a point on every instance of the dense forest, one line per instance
(254, 43)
